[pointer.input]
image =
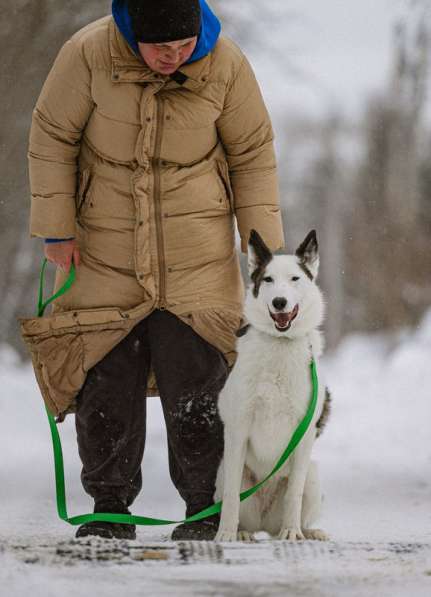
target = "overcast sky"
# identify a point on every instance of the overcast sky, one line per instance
(342, 49)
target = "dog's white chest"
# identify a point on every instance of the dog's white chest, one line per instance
(280, 393)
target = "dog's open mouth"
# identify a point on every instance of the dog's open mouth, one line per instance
(283, 321)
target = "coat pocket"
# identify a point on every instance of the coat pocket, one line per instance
(224, 178)
(83, 194)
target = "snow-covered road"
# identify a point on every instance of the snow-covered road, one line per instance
(51, 567)
(375, 463)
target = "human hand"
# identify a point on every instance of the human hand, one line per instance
(63, 253)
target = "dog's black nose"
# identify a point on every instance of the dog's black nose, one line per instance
(279, 303)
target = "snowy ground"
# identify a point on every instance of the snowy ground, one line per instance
(375, 462)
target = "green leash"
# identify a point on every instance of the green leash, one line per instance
(143, 520)
(41, 305)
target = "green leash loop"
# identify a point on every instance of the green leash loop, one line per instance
(41, 305)
(143, 520)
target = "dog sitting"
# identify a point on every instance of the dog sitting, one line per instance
(267, 395)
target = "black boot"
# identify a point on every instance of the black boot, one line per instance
(199, 530)
(108, 530)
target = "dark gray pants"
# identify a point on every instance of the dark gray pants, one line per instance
(111, 412)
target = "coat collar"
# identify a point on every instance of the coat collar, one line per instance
(129, 68)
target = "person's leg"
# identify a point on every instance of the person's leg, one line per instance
(190, 373)
(110, 425)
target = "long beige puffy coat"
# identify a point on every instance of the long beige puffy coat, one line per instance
(147, 173)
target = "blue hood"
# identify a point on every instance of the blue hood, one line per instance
(208, 36)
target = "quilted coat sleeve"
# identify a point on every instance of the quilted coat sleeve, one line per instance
(60, 115)
(245, 130)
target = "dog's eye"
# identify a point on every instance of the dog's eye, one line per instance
(295, 278)
(268, 279)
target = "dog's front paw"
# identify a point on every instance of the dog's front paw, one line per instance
(315, 535)
(226, 535)
(291, 535)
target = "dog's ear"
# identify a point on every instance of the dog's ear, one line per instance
(308, 255)
(258, 253)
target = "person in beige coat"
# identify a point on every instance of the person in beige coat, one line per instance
(150, 138)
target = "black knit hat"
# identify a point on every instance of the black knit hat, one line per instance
(159, 21)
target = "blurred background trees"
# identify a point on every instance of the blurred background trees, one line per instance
(364, 185)
(31, 34)
(390, 233)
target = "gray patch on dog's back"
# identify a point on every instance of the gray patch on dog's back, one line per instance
(326, 411)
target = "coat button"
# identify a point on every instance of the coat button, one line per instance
(148, 119)
(116, 77)
(141, 223)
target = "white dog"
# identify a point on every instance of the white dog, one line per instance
(267, 395)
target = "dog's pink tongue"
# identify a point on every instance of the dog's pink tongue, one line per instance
(282, 319)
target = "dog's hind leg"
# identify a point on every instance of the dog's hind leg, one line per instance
(250, 518)
(311, 505)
